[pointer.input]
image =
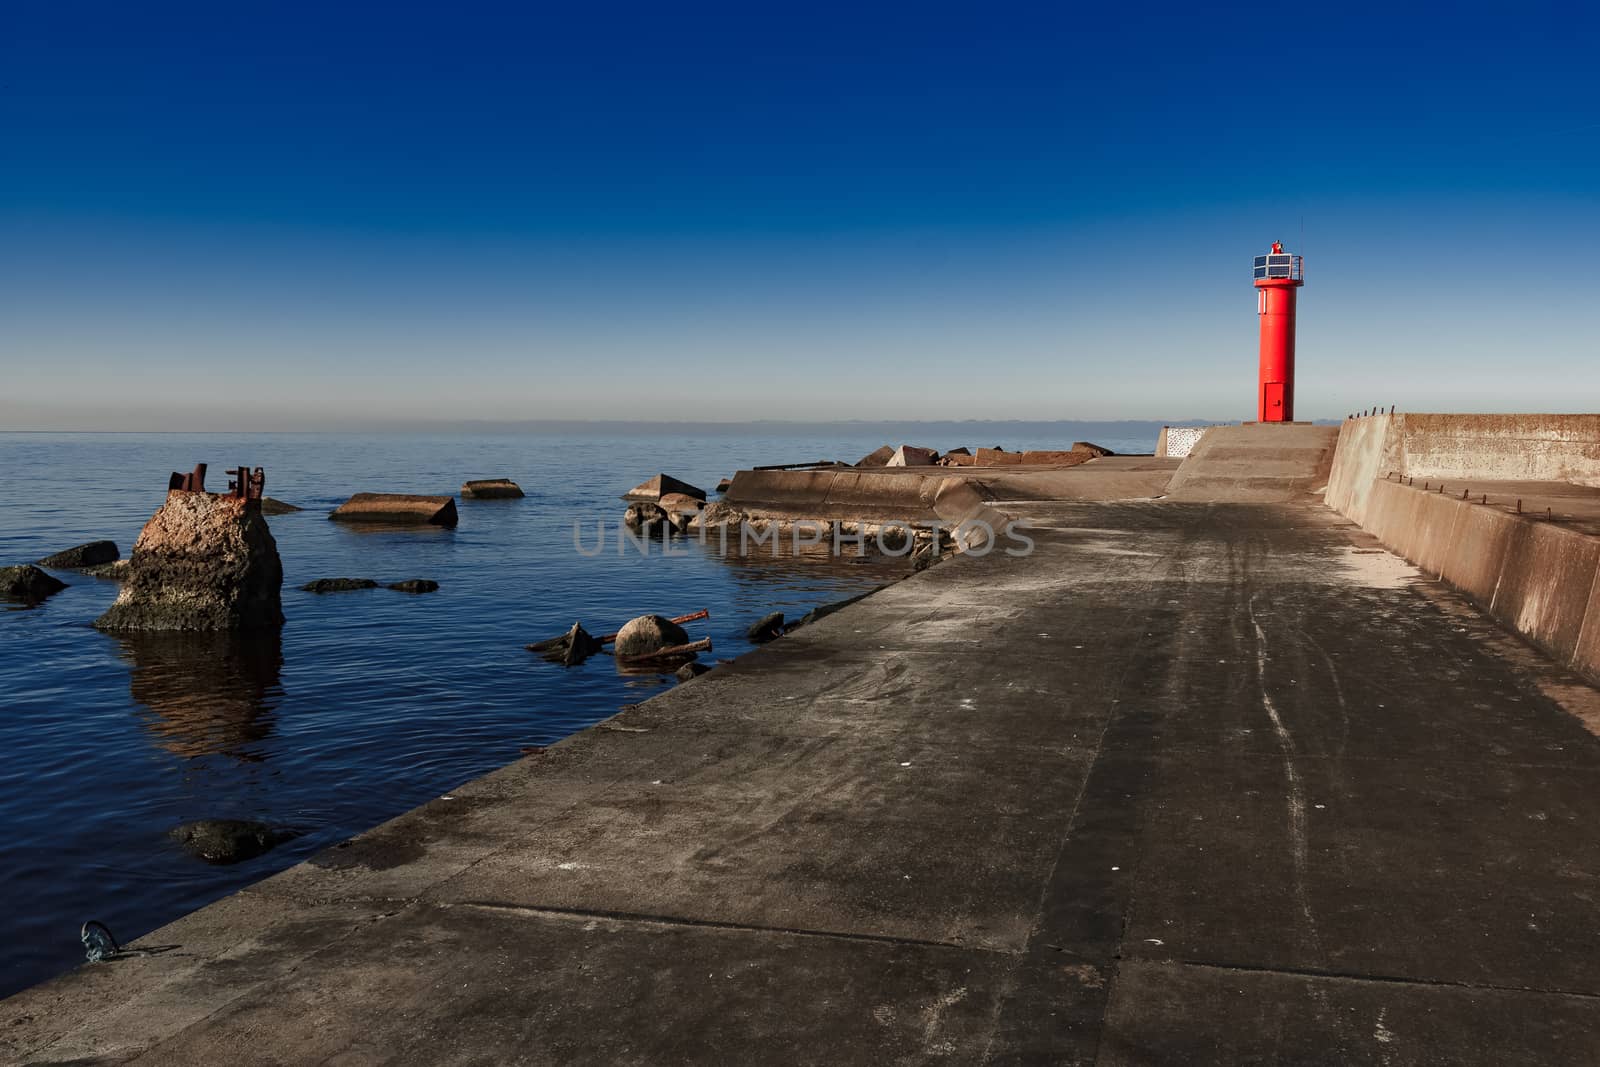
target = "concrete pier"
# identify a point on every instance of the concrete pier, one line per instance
(1193, 782)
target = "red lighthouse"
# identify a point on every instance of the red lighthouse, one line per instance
(1278, 278)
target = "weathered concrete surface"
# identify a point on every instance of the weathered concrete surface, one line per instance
(491, 489)
(1257, 462)
(913, 493)
(203, 562)
(398, 509)
(1457, 449)
(652, 490)
(1110, 478)
(1367, 450)
(1556, 448)
(1537, 570)
(1193, 783)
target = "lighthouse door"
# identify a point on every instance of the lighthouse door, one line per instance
(1272, 402)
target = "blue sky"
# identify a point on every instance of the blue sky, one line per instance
(308, 218)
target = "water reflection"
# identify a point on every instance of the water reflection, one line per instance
(761, 565)
(210, 693)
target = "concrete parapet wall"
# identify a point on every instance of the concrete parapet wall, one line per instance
(1366, 451)
(837, 494)
(1534, 576)
(1552, 448)
(1546, 448)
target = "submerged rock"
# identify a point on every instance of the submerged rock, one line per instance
(270, 506)
(680, 509)
(229, 840)
(767, 628)
(339, 585)
(644, 514)
(415, 585)
(690, 671)
(648, 634)
(491, 489)
(116, 570)
(572, 649)
(28, 584)
(90, 555)
(202, 562)
(715, 514)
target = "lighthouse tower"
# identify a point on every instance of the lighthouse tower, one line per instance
(1278, 279)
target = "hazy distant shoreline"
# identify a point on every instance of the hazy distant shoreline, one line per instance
(890, 428)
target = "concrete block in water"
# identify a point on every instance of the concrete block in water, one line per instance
(912, 456)
(398, 508)
(878, 457)
(491, 489)
(202, 562)
(653, 490)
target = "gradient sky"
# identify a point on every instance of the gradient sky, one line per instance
(269, 216)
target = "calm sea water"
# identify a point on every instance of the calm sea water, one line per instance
(368, 703)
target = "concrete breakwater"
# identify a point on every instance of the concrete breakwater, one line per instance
(1186, 784)
(1501, 507)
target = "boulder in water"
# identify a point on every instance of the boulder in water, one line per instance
(89, 555)
(28, 584)
(690, 671)
(270, 506)
(642, 514)
(415, 585)
(767, 628)
(649, 634)
(338, 585)
(229, 840)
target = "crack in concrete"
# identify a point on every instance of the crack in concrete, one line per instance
(713, 924)
(1352, 976)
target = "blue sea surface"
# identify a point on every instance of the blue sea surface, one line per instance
(368, 703)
